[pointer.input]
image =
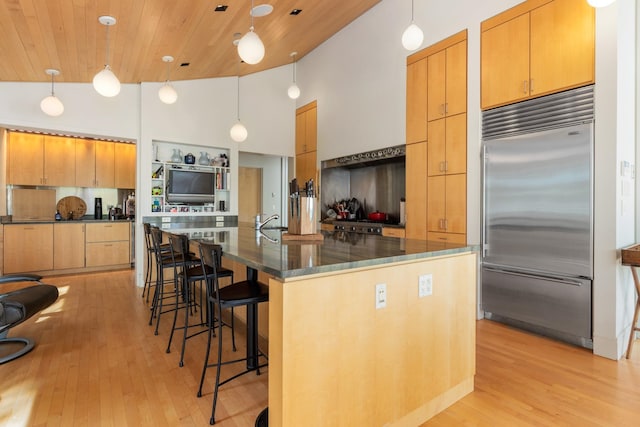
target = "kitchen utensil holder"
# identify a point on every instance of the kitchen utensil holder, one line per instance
(302, 216)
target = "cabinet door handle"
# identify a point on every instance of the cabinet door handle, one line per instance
(107, 245)
(531, 85)
(446, 165)
(446, 224)
(446, 108)
(524, 87)
(28, 228)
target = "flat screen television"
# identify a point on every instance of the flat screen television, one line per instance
(190, 186)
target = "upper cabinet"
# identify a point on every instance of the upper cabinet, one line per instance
(536, 48)
(125, 165)
(36, 159)
(306, 128)
(306, 142)
(447, 82)
(417, 101)
(95, 163)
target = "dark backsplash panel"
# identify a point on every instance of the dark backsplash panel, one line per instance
(377, 187)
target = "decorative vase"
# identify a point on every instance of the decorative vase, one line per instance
(176, 157)
(189, 159)
(204, 159)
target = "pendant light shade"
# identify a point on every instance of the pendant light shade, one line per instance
(105, 82)
(294, 90)
(167, 92)
(412, 37)
(51, 105)
(250, 47)
(238, 131)
(600, 3)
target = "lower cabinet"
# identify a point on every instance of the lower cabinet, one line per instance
(393, 232)
(107, 244)
(28, 247)
(68, 245)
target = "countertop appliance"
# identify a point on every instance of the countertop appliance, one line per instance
(537, 237)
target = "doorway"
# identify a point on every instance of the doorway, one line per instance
(250, 194)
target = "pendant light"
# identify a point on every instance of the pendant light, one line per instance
(167, 93)
(412, 37)
(600, 3)
(250, 47)
(294, 90)
(105, 82)
(238, 132)
(51, 105)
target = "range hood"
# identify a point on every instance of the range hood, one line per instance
(368, 158)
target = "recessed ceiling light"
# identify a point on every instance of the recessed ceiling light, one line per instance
(184, 64)
(221, 8)
(261, 10)
(295, 12)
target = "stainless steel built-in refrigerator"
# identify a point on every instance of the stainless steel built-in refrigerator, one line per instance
(537, 260)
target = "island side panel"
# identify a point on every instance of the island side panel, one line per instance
(337, 360)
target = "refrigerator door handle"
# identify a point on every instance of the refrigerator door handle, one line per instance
(542, 276)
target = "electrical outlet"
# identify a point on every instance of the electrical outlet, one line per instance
(381, 295)
(425, 285)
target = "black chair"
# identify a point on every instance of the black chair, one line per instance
(186, 274)
(164, 261)
(19, 305)
(164, 247)
(247, 293)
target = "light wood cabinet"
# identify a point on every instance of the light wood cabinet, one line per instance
(536, 48)
(416, 191)
(125, 165)
(28, 248)
(107, 243)
(306, 128)
(393, 232)
(447, 82)
(436, 138)
(95, 163)
(306, 167)
(41, 160)
(446, 203)
(417, 101)
(68, 245)
(447, 147)
(306, 142)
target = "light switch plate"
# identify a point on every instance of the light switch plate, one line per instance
(381, 295)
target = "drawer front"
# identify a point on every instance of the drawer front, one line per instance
(102, 254)
(447, 237)
(393, 232)
(108, 232)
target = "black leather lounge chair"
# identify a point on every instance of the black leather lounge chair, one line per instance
(19, 305)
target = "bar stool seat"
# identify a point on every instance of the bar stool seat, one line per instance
(247, 293)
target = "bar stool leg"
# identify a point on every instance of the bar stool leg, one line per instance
(634, 325)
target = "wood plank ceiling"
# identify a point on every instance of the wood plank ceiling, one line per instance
(66, 35)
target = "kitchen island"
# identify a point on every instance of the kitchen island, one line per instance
(334, 357)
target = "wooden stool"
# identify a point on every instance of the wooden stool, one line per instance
(631, 257)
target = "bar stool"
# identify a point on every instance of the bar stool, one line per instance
(164, 261)
(187, 272)
(148, 283)
(247, 293)
(634, 326)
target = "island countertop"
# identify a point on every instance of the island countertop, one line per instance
(266, 251)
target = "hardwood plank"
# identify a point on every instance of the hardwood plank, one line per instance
(97, 362)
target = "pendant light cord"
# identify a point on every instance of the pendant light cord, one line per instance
(238, 87)
(52, 85)
(106, 58)
(294, 68)
(411, 10)
(251, 13)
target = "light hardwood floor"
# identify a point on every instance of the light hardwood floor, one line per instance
(98, 363)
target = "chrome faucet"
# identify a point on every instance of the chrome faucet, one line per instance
(260, 224)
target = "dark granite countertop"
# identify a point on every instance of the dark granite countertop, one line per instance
(265, 251)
